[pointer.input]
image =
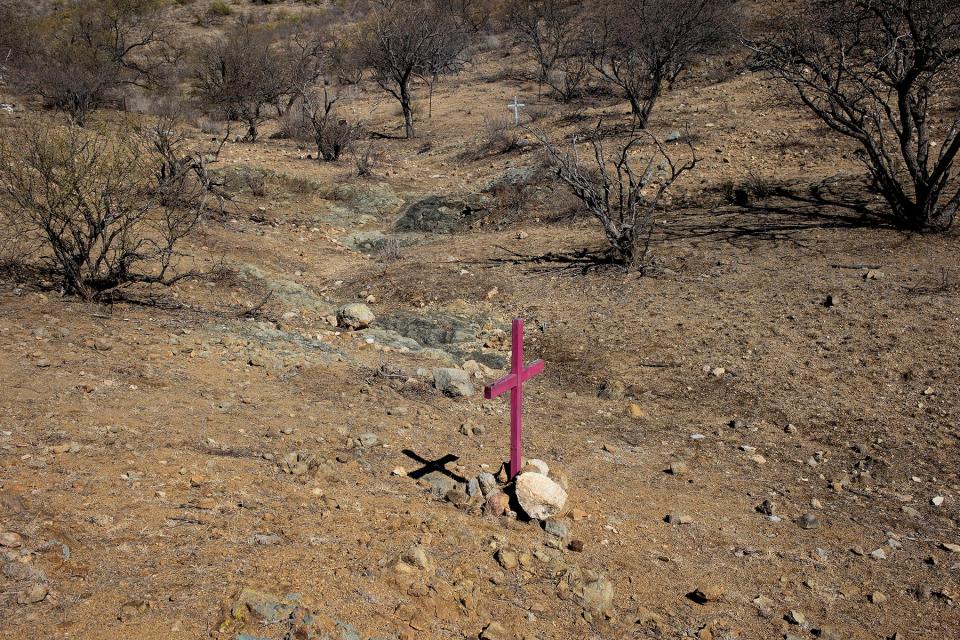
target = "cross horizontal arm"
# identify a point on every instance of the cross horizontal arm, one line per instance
(500, 386)
(532, 369)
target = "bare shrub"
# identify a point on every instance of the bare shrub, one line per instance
(315, 120)
(256, 182)
(882, 72)
(642, 47)
(365, 162)
(390, 251)
(621, 192)
(83, 57)
(110, 210)
(500, 135)
(552, 31)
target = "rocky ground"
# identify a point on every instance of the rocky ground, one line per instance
(758, 440)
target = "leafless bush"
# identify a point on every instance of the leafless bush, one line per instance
(109, 209)
(315, 120)
(882, 72)
(553, 33)
(390, 251)
(642, 47)
(256, 182)
(366, 162)
(83, 57)
(513, 198)
(758, 185)
(500, 135)
(622, 193)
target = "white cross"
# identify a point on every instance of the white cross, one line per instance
(516, 106)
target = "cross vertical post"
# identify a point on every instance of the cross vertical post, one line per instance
(514, 384)
(516, 105)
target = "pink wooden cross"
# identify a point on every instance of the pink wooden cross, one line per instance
(514, 383)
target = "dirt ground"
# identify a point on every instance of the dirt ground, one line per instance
(145, 447)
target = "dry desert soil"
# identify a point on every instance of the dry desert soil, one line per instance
(759, 437)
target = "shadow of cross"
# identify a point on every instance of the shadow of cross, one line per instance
(437, 465)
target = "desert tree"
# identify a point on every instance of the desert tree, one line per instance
(82, 56)
(552, 32)
(109, 208)
(621, 188)
(882, 72)
(406, 39)
(642, 46)
(243, 75)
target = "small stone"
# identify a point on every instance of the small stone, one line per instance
(33, 595)
(132, 609)
(831, 300)
(453, 382)
(809, 521)
(678, 518)
(873, 274)
(636, 412)
(678, 468)
(539, 496)
(495, 631)
(497, 503)
(706, 593)
(795, 617)
(613, 390)
(878, 554)
(416, 556)
(473, 487)
(759, 459)
(578, 514)
(947, 546)
(718, 372)
(487, 482)
(11, 540)
(507, 559)
(368, 440)
(457, 496)
(355, 316)
(398, 471)
(877, 597)
(576, 546)
(555, 528)
(42, 363)
(766, 507)
(816, 504)
(936, 501)
(610, 448)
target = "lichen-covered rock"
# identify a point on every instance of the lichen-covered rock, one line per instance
(539, 496)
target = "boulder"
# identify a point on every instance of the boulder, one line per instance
(355, 316)
(539, 496)
(453, 382)
(437, 214)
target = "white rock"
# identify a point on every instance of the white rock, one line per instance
(540, 497)
(937, 501)
(355, 316)
(539, 464)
